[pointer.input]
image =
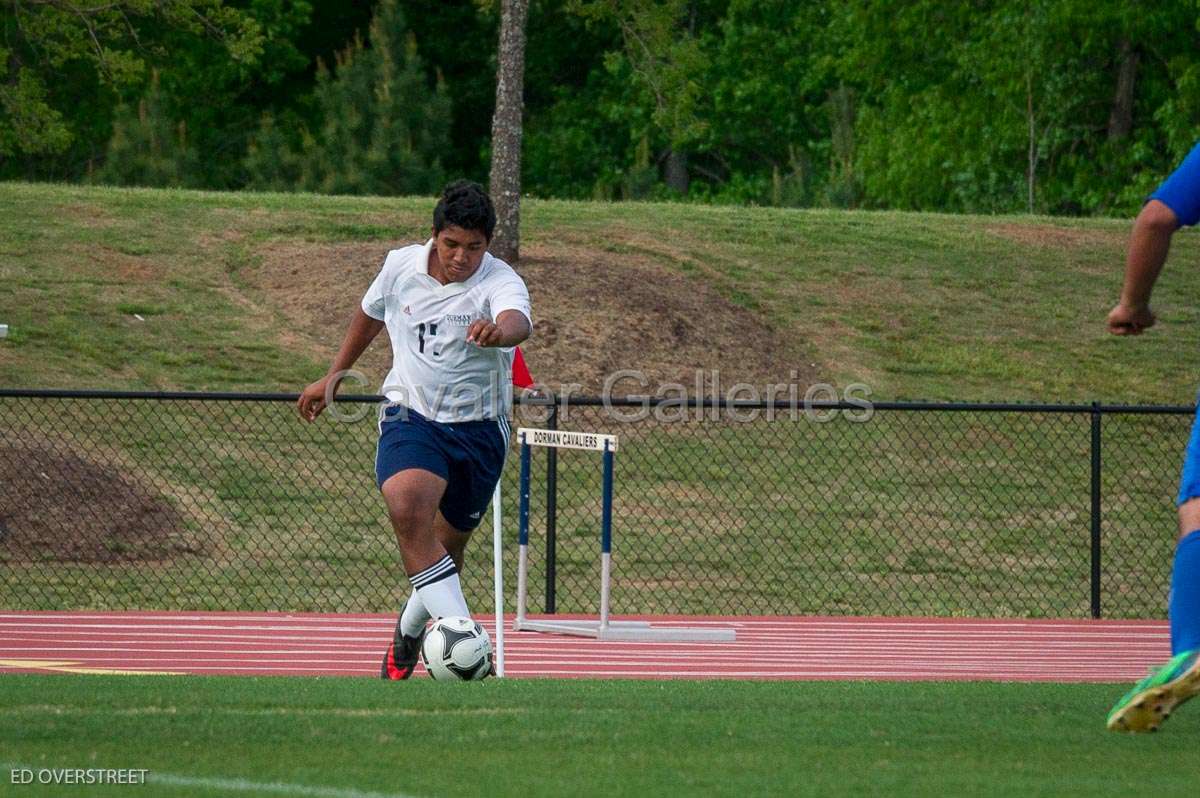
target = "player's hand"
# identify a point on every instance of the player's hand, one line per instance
(1126, 320)
(312, 400)
(484, 333)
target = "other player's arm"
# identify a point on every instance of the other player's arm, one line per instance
(359, 334)
(1148, 247)
(510, 328)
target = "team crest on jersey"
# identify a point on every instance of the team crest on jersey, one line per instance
(459, 319)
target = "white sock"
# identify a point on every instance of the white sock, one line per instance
(414, 617)
(440, 590)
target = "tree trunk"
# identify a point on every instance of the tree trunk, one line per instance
(1120, 121)
(505, 176)
(1031, 169)
(676, 176)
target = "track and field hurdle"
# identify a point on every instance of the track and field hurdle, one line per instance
(603, 628)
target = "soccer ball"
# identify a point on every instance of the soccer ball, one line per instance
(457, 649)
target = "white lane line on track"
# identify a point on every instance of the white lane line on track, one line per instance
(206, 616)
(533, 641)
(761, 634)
(273, 644)
(743, 640)
(28, 634)
(226, 784)
(639, 666)
(835, 675)
(93, 654)
(901, 674)
(781, 621)
(1133, 652)
(794, 675)
(768, 624)
(177, 627)
(793, 637)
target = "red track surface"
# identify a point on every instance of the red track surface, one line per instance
(280, 644)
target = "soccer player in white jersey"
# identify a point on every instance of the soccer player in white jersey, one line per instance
(453, 313)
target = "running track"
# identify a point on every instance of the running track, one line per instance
(285, 644)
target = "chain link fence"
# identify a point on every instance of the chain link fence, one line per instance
(223, 502)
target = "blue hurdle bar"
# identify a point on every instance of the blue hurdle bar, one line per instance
(523, 531)
(606, 538)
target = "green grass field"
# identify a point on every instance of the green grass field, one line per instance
(200, 735)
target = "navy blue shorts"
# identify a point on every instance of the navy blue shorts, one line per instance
(469, 455)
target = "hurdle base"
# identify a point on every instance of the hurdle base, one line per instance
(631, 631)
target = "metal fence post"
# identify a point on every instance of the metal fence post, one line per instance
(551, 514)
(1096, 415)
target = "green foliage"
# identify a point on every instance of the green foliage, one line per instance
(148, 148)
(977, 106)
(30, 123)
(234, 93)
(106, 44)
(383, 128)
(273, 162)
(664, 59)
(1005, 105)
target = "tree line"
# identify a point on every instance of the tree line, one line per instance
(1049, 106)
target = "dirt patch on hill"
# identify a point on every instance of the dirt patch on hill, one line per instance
(59, 506)
(594, 314)
(86, 214)
(1051, 237)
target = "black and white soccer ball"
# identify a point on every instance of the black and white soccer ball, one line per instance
(457, 649)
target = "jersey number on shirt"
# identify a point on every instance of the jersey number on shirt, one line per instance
(422, 328)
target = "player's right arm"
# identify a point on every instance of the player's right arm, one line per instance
(1176, 203)
(1148, 247)
(359, 334)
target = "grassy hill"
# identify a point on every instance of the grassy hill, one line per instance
(251, 291)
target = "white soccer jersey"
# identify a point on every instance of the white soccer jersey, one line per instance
(434, 370)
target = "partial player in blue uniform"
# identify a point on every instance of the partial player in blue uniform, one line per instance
(1175, 204)
(454, 314)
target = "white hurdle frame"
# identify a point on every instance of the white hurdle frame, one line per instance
(603, 628)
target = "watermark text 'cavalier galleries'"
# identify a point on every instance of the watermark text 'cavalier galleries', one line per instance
(626, 398)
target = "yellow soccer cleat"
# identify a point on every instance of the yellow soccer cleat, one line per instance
(1153, 699)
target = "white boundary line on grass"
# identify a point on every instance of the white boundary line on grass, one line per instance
(230, 785)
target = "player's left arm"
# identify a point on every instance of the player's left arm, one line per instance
(508, 303)
(510, 328)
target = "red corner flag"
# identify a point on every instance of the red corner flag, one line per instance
(520, 372)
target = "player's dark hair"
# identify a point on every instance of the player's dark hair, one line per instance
(465, 204)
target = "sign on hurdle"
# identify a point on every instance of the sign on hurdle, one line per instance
(603, 628)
